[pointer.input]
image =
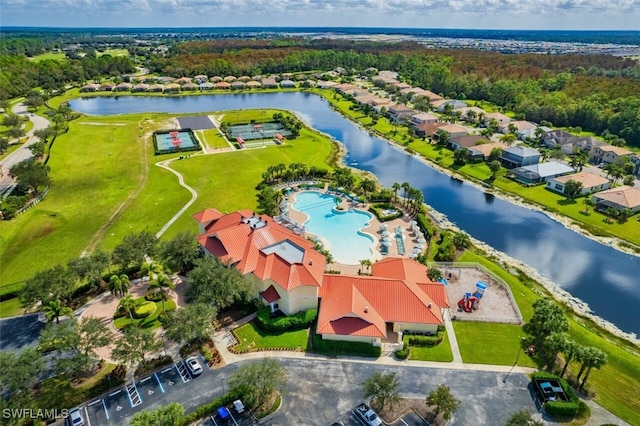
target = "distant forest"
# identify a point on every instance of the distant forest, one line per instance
(599, 93)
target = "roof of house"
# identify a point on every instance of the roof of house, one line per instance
(430, 128)
(544, 170)
(259, 245)
(454, 128)
(486, 148)
(465, 110)
(399, 108)
(588, 180)
(270, 294)
(498, 116)
(624, 196)
(469, 140)
(424, 116)
(524, 125)
(397, 291)
(618, 150)
(522, 151)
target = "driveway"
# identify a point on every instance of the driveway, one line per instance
(19, 332)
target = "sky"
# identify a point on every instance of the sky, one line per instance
(475, 14)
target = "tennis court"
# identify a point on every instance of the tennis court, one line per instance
(175, 141)
(257, 131)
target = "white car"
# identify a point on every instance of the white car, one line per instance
(75, 417)
(193, 365)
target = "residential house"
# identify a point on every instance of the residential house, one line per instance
(428, 129)
(431, 97)
(620, 198)
(365, 98)
(413, 92)
(230, 79)
(253, 84)
(590, 182)
(284, 267)
(238, 85)
(397, 298)
(106, 87)
(123, 87)
(190, 86)
(441, 105)
(569, 143)
(92, 87)
(503, 121)
(466, 141)
(287, 84)
(400, 113)
(401, 86)
(483, 150)
(205, 86)
(541, 172)
(171, 88)
(269, 83)
(156, 88)
(244, 78)
(215, 79)
(345, 88)
(635, 159)
(200, 78)
(183, 80)
(222, 85)
(518, 156)
(610, 154)
(454, 130)
(423, 118)
(326, 84)
(166, 79)
(465, 111)
(141, 87)
(530, 134)
(522, 127)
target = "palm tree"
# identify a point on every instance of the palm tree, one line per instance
(594, 358)
(152, 269)
(396, 187)
(160, 285)
(119, 284)
(128, 303)
(54, 309)
(571, 350)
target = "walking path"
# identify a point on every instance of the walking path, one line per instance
(194, 196)
(453, 340)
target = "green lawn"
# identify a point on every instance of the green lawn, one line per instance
(439, 353)
(490, 343)
(213, 138)
(57, 56)
(114, 52)
(251, 338)
(10, 307)
(9, 150)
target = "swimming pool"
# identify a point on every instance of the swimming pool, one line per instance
(341, 229)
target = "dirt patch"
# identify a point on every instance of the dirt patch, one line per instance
(404, 406)
(495, 305)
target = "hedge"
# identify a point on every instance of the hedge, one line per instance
(425, 225)
(297, 321)
(559, 409)
(337, 347)
(144, 309)
(425, 341)
(210, 408)
(404, 352)
(376, 209)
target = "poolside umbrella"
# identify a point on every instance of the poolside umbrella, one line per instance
(421, 239)
(385, 233)
(413, 223)
(387, 239)
(383, 226)
(386, 243)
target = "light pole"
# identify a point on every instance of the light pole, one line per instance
(222, 380)
(516, 361)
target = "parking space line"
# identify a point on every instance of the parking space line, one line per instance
(166, 369)
(214, 421)
(86, 415)
(115, 393)
(402, 420)
(106, 412)
(233, 418)
(159, 383)
(93, 403)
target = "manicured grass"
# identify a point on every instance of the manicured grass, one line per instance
(114, 52)
(251, 338)
(9, 150)
(56, 56)
(439, 353)
(491, 343)
(10, 308)
(213, 138)
(58, 392)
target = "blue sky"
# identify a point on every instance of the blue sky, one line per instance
(484, 14)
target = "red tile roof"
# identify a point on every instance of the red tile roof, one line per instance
(207, 216)
(233, 238)
(270, 294)
(398, 291)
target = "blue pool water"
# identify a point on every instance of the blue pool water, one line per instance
(341, 229)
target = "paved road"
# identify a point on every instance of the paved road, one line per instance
(23, 152)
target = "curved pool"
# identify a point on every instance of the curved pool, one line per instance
(341, 229)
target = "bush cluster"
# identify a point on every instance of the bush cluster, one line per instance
(377, 209)
(144, 310)
(560, 409)
(425, 225)
(425, 341)
(210, 408)
(336, 347)
(404, 352)
(297, 321)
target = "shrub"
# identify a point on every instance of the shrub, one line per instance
(377, 210)
(144, 310)
(425, 225)
(425, 341)
(336, 347)
(560, 409)
(297, 321)
(403, 353)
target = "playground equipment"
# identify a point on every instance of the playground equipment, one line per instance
(470, 302)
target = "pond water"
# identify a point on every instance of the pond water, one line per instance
(606, 279)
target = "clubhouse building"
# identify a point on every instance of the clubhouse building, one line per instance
(288, 274)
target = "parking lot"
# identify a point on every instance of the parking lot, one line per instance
(409, 419)
(119, 405)
(243, 419)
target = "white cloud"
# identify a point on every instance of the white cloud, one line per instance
(392, 13)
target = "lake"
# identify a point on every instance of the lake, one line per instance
(604, 278)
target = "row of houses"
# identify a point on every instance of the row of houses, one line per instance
(176, 87)
(288, 275)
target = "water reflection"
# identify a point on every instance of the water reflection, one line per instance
(604, 278)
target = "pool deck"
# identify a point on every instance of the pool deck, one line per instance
(373, 230)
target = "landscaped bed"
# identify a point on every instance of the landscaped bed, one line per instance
(252, 338)
(143, 316)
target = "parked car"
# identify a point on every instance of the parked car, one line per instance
(193, 365)
(238, 405)
(75, 418)
(366, 413)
